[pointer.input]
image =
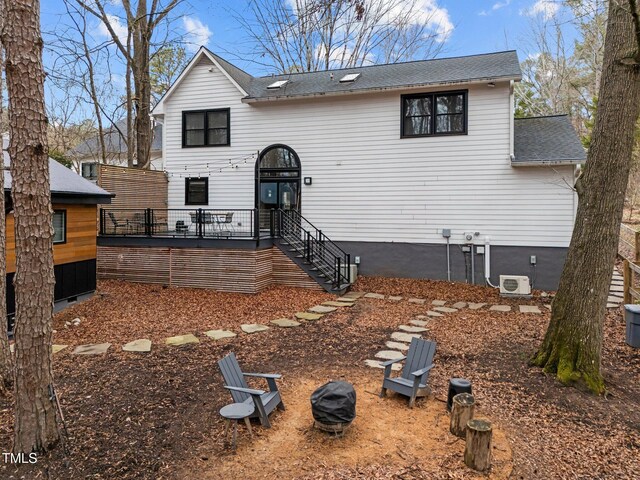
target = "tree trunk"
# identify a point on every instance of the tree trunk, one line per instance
(142, 83)
(477, 452)
(572, 345)
(130, 132)
(6, 362)
(461, 413)
(35, 421)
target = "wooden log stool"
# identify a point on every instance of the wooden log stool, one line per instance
(462, 412)
(456, 386)
(233, 413)
(477, 452)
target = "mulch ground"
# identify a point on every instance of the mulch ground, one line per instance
(155, 415)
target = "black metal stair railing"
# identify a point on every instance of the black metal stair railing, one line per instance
(314, 247)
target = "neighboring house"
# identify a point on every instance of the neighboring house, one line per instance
(88, 153)
(74, 201)
(414, 169)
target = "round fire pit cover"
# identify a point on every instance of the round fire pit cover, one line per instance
(333, 403)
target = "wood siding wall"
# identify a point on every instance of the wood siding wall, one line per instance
(227, 270)
(80, 243)
(369, 184)
(133, 187)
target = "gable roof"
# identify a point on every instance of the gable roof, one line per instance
(443, 71)
(63, 181)
(546, 141)
(115, 142)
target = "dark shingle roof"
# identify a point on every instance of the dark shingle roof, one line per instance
(547, 141)
(115, 142)
(491, 66)
(63, 181)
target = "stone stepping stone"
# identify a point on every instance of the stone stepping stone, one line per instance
(374, 295)
(529, 309)
(141, 345)
(308, 316)
(412, 329)
(419, 323)
(352, 295)
(419, 301)
(322, 309)
(459, 305)
(54, 348)
(613, 305)
(476, 306)
(439, 303)
(397, 345)
(445, 309)
(394, 298)
(253, 327)
(617, 282)
(500, 308)
(181, 340)
(389, 354)
(285, 323)
(434, 314)
(91, 349)
(616, 288)
(378, 364)
(220, 334)
(614, 299)
(547, 306)
(404, 336)
(616, 294)
(331, 303)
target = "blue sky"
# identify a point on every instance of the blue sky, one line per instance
(476, 26)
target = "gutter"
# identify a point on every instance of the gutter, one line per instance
(543, 163)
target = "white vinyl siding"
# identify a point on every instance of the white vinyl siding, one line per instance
(368, 183)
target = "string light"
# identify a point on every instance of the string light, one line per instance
(212, 165)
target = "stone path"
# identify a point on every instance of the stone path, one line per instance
(616, 290)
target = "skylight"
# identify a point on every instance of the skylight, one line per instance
(277, 84)
(350, 77)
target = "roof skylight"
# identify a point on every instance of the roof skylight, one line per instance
(350, 77)
(277, 84)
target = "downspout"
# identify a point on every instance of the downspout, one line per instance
(487, 262)
(448, 262)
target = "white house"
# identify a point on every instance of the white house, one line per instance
(415, 169)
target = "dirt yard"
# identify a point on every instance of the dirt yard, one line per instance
(155, 415)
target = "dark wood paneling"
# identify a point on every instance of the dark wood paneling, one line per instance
(285, 272)
(133, 187)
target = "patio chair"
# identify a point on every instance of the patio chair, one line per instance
(118, 224)
(412, 381)
(227, 219)
(264, 402)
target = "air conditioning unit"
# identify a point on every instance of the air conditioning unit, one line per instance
(514, 285)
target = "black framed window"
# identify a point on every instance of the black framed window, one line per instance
(196, 191)
(427, 114)
(206, 128)
(90, 171)
(59, 226)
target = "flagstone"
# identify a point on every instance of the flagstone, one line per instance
(352, 295)
(614, 299)
(420, 323)
(394, 298)
(220, 334)
(332, 303)
(404, 336)
(616, 288)
(616, 294)
(55, 348)
(547, 306)
(374, 295)
(91, 349)
(389, 354)
(476, 306)
(459, 305)
(617, 282)
(397, 345)
(253, 327)
(445, 309)
(378, 364)
(500, 308)
(322, 309)
(181, 340)
(419, 301)
(434, 314)
(412, 329)
(529, 309)
(285, 323)
(439, 303)
(140, 345)
(308, 316)
(613, 305)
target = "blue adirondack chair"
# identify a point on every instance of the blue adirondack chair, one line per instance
(264, 402)
(413, 380)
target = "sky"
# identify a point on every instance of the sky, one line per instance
(472, 26)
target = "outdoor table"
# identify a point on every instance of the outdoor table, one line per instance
(234, 412)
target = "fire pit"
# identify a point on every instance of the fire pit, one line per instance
(333, 406)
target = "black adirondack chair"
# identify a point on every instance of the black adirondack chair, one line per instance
(264, 402)
(413, 380)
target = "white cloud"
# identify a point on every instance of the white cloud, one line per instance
(116, 24)
(499, 5)
(545, 8)
(423, 12)
(197, 33)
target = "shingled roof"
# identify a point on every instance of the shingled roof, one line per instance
(115, 143)
(546, 141)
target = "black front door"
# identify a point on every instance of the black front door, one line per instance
(278, 181)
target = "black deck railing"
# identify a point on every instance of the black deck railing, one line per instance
(179, 222)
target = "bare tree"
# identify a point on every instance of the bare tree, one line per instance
(573, 342)
(35, 421)
(311, 35)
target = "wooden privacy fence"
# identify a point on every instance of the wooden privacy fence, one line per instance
(134, 187)
(629, 249)
(630, 273)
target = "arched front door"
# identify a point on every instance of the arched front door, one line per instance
(278, 181)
